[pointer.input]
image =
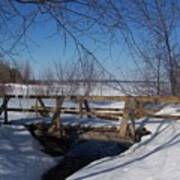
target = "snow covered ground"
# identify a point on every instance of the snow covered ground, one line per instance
(96, 89)
(20, 155)
(156, 157)
(68, 89)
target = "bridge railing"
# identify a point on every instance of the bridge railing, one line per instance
(83, 108)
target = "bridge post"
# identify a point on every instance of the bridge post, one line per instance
(87, 108)
(5, 116)
(4, 109)
(128, 130)
(44, 113)
(56, 125)
(81, 107)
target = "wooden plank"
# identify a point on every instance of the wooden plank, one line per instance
(5, 116)
(4, 109)
(108, 115)
(83, 108)
(87, 108)
(44, 113)
(65, 110)
(99, 112)
(4, 104)
(55, 128)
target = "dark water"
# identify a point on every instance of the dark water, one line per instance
(83, 154)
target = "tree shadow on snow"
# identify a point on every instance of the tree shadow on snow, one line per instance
(159, 130)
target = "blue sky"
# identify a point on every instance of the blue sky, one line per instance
(46, 49)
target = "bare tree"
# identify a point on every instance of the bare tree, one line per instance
(70, 19)
(69, 16)
(26, 72)
(158, 22)
(154, 75)
(9, 73)
(89, 74)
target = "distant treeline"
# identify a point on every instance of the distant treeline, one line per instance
(9, 74)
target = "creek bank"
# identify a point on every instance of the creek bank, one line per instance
(79, 147)
(83, 154)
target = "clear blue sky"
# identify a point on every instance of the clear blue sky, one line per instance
(45, 48)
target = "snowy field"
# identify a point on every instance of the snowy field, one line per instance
(93, 89)
(80, 89)
(156, 157)
(20, 155)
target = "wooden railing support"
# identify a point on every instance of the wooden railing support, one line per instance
(56, 125)
(86, 105)
(84, 109)
(4, 107)
(81, 107)
(5, 116)
(127, 130)
(44, 113)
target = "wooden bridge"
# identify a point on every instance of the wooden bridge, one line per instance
(83, 107)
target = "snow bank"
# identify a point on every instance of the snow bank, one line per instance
(155, 157)
(20, 155)
(173, 109)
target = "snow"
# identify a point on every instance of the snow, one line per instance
(66, 89)
(107, 104)
(72, 120)
(20, 155)
(156, 157)
(173, 109)
(96, 89)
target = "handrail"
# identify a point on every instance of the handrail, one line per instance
(111, 113)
